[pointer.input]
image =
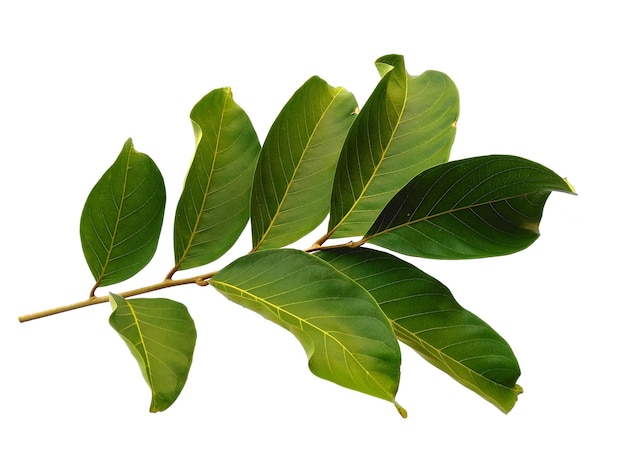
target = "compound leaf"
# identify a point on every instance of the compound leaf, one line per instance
(472, 208)
(346, 336)
(294, 177)
(122, 218)
(161, 335)
(407, 125)
(214, 206)
(426, 317)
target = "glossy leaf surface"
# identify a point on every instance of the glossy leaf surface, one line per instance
(161, 335)
(346, 336)
(214, 206)
(472, 208)
(122, 218)
(294, 178)
(426, 317)
(407, 125)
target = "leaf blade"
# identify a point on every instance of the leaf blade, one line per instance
(293, 180)
(161, 335)
(426, 317)
(472, 208)
(122, 218)
(407, 125)
(214, 206)
(348, 340)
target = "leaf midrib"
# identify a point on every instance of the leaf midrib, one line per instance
(295, 172)
(245, 293)
(143, 346)
(382, 158)
(117, 221)
(444, 213)
(195, 230)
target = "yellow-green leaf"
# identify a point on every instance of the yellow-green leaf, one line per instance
(346, 336)
(161, 335)
(426, 317)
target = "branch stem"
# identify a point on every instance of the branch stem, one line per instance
(201, 280)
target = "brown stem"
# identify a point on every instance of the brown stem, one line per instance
(201, 280)
(93, 300)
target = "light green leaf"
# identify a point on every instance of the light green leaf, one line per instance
(472, 208)
(161, 335)
(426, 317)
(122, 217)
(214, 206)
(293, 180)
(407, 125)
(346, 336)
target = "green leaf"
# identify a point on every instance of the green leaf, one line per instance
(161, 335)
(472, 208)
(214, 206)
(346, 336)
(407, 125)
(426, 317)
(293, 180)
(122, 217)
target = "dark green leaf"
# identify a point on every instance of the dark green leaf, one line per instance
(214, 206)
(293, 180)
(161, 335)
(122, 217)
(472, 208)
(346, 336)
(426, 317)
(407, 125)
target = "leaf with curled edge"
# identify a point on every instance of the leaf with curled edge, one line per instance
(214, 206)
(161, 336)
(426, 317)
(346, 336)
(472, 208)
(407, 125)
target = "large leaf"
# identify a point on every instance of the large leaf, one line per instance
(161, 335)
(426, 317)
(214, 206)
(122, 217)
(472, 208)
(294, 178)
(407, 125)
(346, 336)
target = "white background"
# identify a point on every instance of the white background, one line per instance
(543, 80)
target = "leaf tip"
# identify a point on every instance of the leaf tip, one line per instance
(157, 406)
(569, 185)
(401, 410)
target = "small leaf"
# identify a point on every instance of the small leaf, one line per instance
(122, 217)
(426, 317)
(407, 125)
(472, 208)
(294, 177)
(346, 336)
(214, 206)
(161, 335)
